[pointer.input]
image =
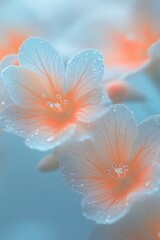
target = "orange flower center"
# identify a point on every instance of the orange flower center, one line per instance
(60, 110)
(118, 172)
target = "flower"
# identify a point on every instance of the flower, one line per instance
(120, 162)
(49, 103)
(123, 37)
(141, 223)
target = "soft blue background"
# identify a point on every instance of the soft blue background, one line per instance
(33, 205)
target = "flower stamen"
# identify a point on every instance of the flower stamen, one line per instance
(60, 105)
(119, 172)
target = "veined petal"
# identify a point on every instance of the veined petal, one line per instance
(147, 143)
(25, 87)
(37, 126)
(115, 133)
(89, 104)
(141, 222)
(21, 121)
(38, 55)
(74, 158)
(84, 71)
(144, 154)
(97, 208)
(48, 138)
(90, 167)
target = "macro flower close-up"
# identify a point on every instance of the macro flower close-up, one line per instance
(47, 103)
(115, 167)
(79, 120)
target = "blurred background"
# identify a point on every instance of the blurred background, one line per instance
(38, 206)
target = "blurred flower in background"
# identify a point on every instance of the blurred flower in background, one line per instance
(123, 31)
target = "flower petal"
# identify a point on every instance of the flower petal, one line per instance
(84, 71)
(34, 125)
(141, 222)
(39, 56)
(47, 138)
(89, 104)
(96, 208)
(147, 142)
(72, 157)
(25, 87)
(115, 132)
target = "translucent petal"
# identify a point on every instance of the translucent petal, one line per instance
(35, 126)
(39, 56)
(144, 154)
(21, 121)
(25, 87)
(97, 209)
(147, 143)
(141, 222)
(89, 104)
(115, 133)
(73, 162)
(47, 138)
(84, 71)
